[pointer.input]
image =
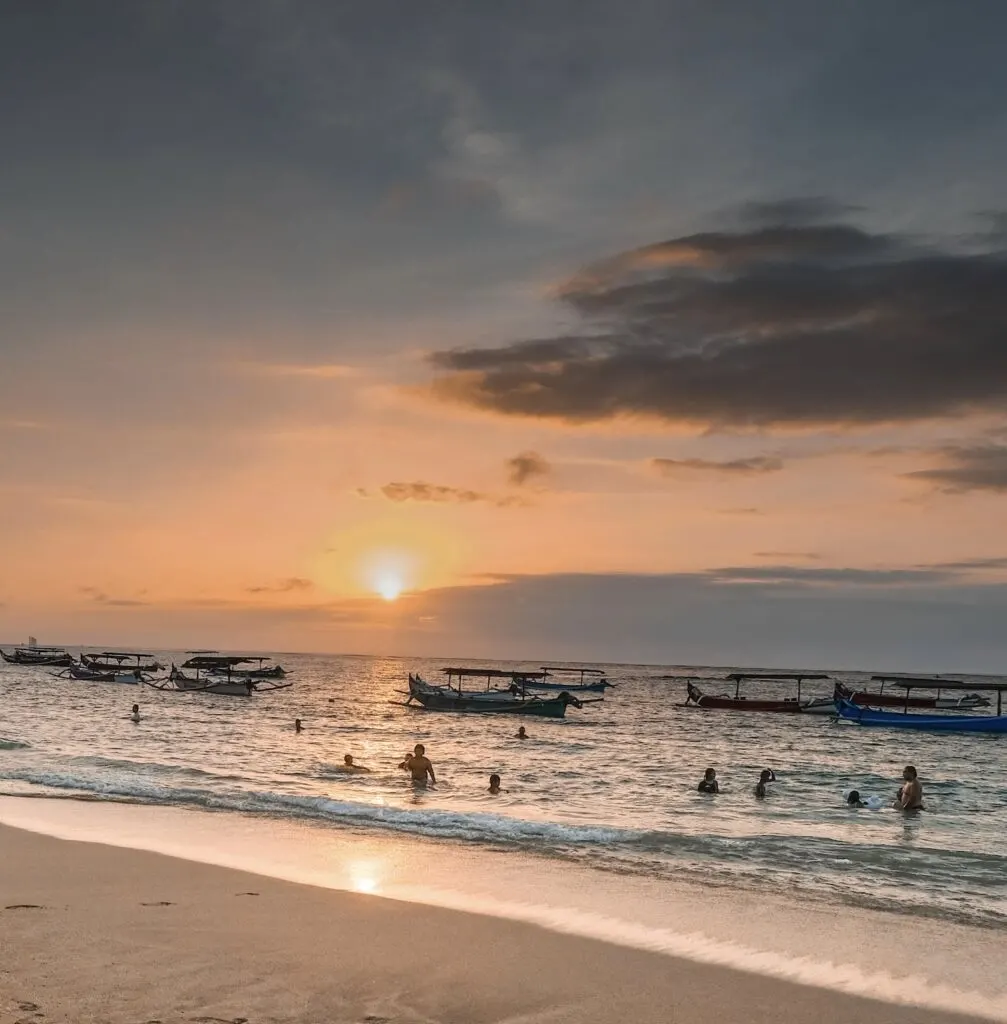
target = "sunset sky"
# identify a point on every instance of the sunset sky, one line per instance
(647, 331)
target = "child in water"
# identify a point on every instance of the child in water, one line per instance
(760, 787)
(853, 800)
(709, 783)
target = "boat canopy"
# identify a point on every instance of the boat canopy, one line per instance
(492, 673)
(120, 654)
(792, 676)
(936, 683)
(222, 660)
(570, 668)
(40, 649)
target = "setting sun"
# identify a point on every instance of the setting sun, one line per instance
(389, 587)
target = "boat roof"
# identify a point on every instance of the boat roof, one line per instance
(39, 647)
(937, 683)
(120, 654)
(737, 676)
(492, 673)
(570, 668)
(218, 660)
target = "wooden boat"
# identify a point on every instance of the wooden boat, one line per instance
(851, 712)
(787, 705)
(881, 699)
(580, 683)
(220, 674)
(512, 701)
(120, 661)
(33, 654)
(261, 671)
(85, 672)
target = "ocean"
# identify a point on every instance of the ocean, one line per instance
(602, 802)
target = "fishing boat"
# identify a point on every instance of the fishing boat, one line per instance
(581, 680)
(33, 654)
(261, 670)
(868, 698)
(792, 705)
(120, 662)
(85, 672)
(848, 711)
(222, 674)
(513, 700)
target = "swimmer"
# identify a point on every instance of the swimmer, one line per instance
(419, 767)
(760, 787)
(853, 800)
(297, 725)
(910, 795)
(521, 734)
(135, 716)
(349, 766)
(495, 784)
(709, 783)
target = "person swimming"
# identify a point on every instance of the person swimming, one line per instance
(910, 795)
(760, 787)
(135, 715)
(495, 784)
(349, 766)
(420, 767)
(521, 734)
(709, 783)
(853, 800)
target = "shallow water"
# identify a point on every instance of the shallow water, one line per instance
(612, 787)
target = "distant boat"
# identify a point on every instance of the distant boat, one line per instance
(33, 654)
(119, 661)
(222, 674)
(511, 701)
(786, 705)
(881, 699)
(851, 712)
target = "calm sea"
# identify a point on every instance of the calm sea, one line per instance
(613, 786)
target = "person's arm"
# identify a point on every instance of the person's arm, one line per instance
(716, 787)
(430, 770)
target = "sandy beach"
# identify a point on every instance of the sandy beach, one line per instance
(97, 933)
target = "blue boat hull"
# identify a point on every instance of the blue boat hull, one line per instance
(931, 723)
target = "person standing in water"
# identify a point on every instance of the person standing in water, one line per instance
(420, 767)
(709, 783)
(521, 734)
(760, 786)
(297, 725)
(135, 715)
(495, 784)
(910, 795)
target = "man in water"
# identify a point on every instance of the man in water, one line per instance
(135, 716)
(853, 800)
(419, 766)
(494, 784)
(910, 796)
(349, 766)
(521, 734)
(709, 783)
(760, 786)
(297, 725)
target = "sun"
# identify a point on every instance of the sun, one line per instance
(388, 586)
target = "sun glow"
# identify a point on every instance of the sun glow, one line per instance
(388, 586)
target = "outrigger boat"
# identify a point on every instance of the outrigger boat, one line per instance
(513, 700)
(867, 698)
(581, 684)
(793, 705)
(207, 670)
(93, 675)
(120, 662)
(32, 654)
(997, 723)
(262, 671)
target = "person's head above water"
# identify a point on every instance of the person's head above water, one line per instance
(494, 782)
(136, 708)
(909, 773)
(419, 750)
(521, 732)
(766, 775)
(348, 760)
(854, 797)
(710, 774)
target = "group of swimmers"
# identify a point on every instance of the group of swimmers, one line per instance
(909, 797)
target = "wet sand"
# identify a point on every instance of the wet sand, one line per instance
(97, 933)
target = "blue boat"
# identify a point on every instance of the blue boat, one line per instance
(930, 723)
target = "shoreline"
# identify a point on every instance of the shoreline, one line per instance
(376, 866)
(105, 933)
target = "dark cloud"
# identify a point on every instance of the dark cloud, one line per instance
(972, 564)
(525, 467)
(977, 468)
(795, 211)
(732, 467)
(784, 574)
(290, 585)
(100, 597)
(783, 324)
(421, 491)
(746, 510)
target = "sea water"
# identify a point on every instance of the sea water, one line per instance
(599, 829)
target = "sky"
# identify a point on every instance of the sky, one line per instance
(662, 331)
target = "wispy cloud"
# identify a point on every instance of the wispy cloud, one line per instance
(732, 467)
(525, 467)
(289, 585)
(100, 597)
(420, 491)
(981, 467)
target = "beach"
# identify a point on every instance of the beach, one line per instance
(91, 932)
